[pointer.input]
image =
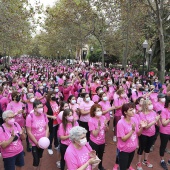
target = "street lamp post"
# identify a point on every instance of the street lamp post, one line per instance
(145, 45)
(91, 51)
(149, 62)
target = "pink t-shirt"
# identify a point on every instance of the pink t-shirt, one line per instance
(79, 100)
(165, 115)
(154, 97)
(38, 125)
(105, 106)
(150, 117)
(93, 125)
(39, 95)
(15, 147)
(29, 107)
(118, 102)
(62, 132)
(75, 158)
(85, 106)
(15, 107)
(4, 101)
(158, 106)
(74, 107)
(123, 128)
(136, 95)
(95, 98)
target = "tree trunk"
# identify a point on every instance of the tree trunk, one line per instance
(162, 42)
(125, 51)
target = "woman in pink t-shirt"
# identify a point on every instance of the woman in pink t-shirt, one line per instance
(37, 127)
(106, 106)
(74, 106)
(147, 137)
(164, 132)
(80, 98)
(85, 112)
(79, 155)
(127, 134)
(51, 108)
(97, 127)
(67, 124)
(139, 103)
(17, 107)
(11, 142)
(118, 103)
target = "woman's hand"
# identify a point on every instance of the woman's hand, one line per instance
(92, 154)
(53, 117)
(157, 118)
(143, 124)
(133, 127)
(93, 161)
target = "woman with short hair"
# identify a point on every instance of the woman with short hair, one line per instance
(11, 142)
(37, 127)
(79, 148)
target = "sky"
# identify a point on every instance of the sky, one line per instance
(44, 2)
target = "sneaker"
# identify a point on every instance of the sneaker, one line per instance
(114, 139)
(148, 164)
(113, 129)
(50, 151)
(56, 148)
(116, 167)
(152, 148)
(139, 166)
(163, 165)
(58, 164)
(131, 168)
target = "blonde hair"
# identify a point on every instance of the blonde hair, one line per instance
(145, 105)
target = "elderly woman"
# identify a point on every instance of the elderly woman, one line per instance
(79, 148)
(10, 142)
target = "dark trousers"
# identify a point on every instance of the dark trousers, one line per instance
(37, 155)
(117, 156)
(145, 143)
(99, 151)
(164, 140)
(62, 151)
(156, 133)
(53, 135)
(125, 159)
(85, 125)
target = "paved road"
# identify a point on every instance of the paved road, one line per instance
(49, 162)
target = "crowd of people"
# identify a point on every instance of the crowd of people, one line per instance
(73, 105)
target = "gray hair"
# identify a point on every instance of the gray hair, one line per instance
(29, 95)
(76, 132)
(6, 113)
